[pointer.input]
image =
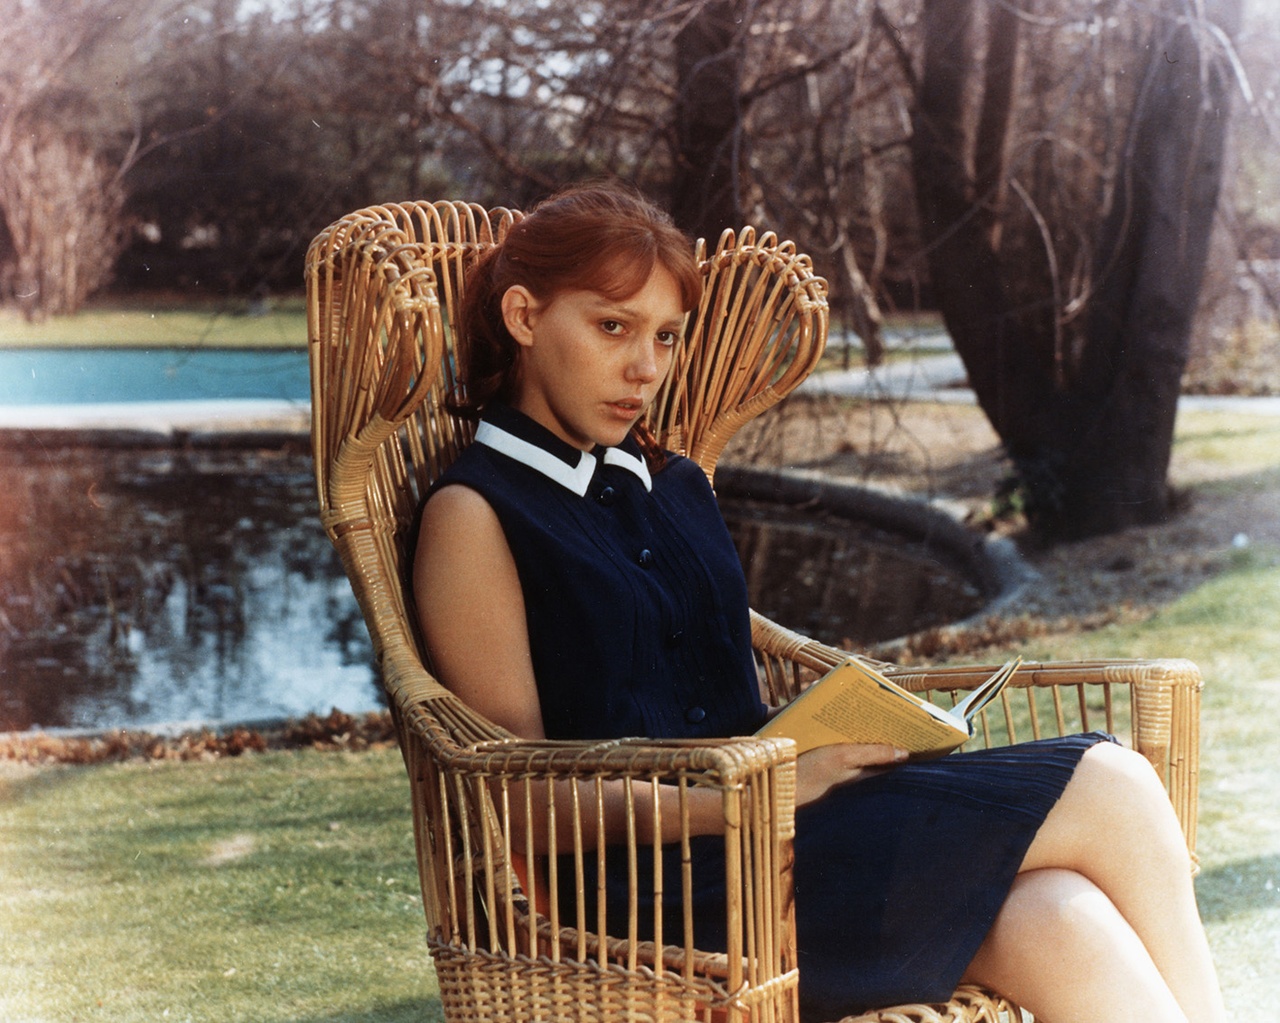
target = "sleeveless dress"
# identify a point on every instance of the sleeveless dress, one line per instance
(638, 626)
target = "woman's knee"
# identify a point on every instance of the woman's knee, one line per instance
(1114, 805)
(1062, 946)
(1122, 765)
(1060, 914)
(1058, 904)
(1124, 783)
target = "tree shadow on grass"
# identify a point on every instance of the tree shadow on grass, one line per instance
(1242, 886)
(20, 781)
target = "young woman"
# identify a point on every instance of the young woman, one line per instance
(574, 582)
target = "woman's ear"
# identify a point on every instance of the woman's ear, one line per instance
(519, 308)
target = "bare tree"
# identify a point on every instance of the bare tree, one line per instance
(62, 207)
(1078, 366)
(64, 135)
(250, 144)
(821, 157)
(709, 53)
(1237, 334)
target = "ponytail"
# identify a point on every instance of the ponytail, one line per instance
(486, 351)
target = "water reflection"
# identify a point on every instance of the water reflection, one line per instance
(143, 586)
(842, 580)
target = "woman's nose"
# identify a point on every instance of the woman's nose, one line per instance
(643, 364)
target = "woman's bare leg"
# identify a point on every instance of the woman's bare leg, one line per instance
(1114, 827)
(1061, 949)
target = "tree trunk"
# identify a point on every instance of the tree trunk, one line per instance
(1090, 450)
(1152, 251)
(999, 78)
(998, 350)
(708, 120)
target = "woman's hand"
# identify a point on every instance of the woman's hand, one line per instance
(820, 770)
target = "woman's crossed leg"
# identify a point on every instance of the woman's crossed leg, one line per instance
(1101, 922)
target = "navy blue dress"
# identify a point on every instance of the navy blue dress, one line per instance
(638, 625)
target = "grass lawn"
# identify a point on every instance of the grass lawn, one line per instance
(148, 321)
(157, 323)
(1228, 626)
(274, 887)
(281, 886)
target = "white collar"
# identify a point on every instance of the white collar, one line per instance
(632, 463)
(576, 478)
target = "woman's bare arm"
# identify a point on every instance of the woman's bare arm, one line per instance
(472, 613)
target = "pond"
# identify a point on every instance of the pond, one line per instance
(144, 584)
(59, 376)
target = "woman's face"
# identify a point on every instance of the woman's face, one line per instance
(590, 365)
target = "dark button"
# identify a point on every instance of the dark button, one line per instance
(645, 558)
(607, 496)
(695, 715)
(675, 638)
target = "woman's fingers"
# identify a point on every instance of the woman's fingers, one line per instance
(822, 769)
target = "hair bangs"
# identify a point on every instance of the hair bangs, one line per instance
(632, 261)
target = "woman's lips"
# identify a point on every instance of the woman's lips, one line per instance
(627, 408)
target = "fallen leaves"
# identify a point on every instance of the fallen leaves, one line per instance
(335, 731)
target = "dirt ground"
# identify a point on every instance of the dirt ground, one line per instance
(948, 453)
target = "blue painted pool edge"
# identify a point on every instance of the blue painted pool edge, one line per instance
(94, 376)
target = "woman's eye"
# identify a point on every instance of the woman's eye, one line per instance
(611, 327)
(667, 338)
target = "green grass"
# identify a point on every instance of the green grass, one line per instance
(277, 887)
(837, 359)
(1241, 445)
(154, 321)
(184, 324)
(914, 325)
(1229, 626)
(281, 887)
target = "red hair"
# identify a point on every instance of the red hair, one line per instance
(600, 238)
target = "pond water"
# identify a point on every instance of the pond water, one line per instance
(842, 580)
(60, 376)
(145, 585)
(140, 586)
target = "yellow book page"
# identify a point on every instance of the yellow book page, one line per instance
(855, 704)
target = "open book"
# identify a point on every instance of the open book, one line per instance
(855, 703)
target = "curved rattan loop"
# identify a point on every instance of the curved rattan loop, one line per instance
(383, 286)
(758, 331)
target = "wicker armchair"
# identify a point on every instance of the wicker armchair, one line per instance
(383, 284)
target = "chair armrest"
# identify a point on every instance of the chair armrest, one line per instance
(491, 891)
(1160, 717)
